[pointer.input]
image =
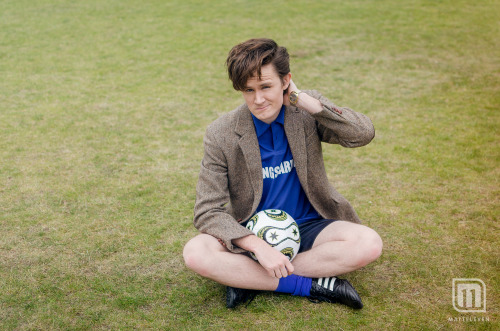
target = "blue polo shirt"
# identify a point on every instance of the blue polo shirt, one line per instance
(282, 189)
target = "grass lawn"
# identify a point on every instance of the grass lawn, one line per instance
(103, 107)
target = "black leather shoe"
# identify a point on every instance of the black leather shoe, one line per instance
(335, 290)
(235, 296)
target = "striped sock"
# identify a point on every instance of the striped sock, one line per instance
(295, 285)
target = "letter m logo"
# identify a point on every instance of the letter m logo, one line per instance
(469, 295)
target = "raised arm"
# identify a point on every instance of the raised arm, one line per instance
(336, 125)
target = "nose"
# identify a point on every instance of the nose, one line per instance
(259, 97)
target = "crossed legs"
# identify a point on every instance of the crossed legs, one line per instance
(340, 248)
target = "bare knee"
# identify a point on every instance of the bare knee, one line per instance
(370, 247)
(197, 255)
(192, 253)
(189, 254)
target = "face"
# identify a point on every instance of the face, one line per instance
(264, 96)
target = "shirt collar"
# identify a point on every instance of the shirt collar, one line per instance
(261, 127)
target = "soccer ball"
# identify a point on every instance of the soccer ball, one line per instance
(278, 229)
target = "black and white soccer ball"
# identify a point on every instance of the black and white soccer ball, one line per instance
(278, 229)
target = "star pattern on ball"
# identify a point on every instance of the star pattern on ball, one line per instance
(274, 236)
(294, 232)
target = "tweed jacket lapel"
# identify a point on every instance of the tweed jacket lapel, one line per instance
(249, 145)
(294, 131)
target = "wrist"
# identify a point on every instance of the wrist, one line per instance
(308, 103)
(251, 243)
(294, 97)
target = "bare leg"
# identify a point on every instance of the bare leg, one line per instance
(340, 248)
(207, 257)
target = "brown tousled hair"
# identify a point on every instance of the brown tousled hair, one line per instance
(245, 60)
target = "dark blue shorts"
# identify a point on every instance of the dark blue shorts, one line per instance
(309, 230)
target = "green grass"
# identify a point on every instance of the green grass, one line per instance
(103, 107)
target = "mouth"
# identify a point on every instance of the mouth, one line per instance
(262, 108)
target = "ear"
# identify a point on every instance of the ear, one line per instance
(286, 80)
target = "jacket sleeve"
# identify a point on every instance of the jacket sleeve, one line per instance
(211, 214)
(342, 125)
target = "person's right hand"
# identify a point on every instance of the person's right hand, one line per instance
(276, 263)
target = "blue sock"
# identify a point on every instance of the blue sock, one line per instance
(295, 285)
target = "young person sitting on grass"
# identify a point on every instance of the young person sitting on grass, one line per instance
(278, 122)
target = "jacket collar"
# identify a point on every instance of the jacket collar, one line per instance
(244, 122)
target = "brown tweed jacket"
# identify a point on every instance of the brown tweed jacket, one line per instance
(230, 183)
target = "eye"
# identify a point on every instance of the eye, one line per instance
(248, 90)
